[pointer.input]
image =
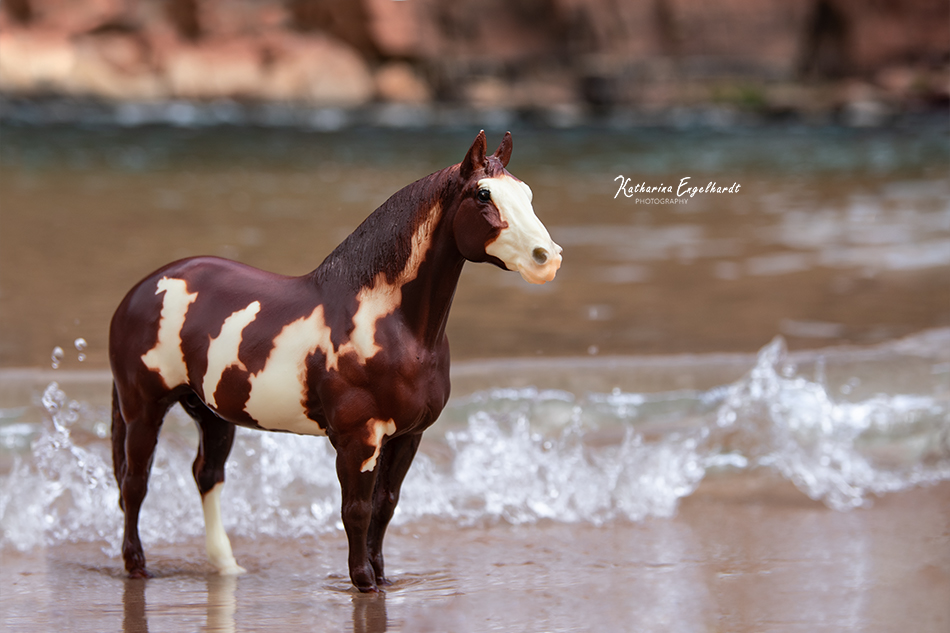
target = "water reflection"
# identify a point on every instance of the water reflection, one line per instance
(368, 610)
(369, 613)
(221, 603)
(134, 619)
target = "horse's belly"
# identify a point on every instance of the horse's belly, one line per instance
(277, 402)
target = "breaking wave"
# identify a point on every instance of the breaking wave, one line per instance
(841, 429)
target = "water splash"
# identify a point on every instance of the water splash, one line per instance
(56, 357)
(505, 455)
(81, 345)
(836, 451)
(63, 491)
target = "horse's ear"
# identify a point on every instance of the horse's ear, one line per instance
(503, 153)
(475, 158)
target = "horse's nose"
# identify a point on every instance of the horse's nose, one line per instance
(546, 261)
(540, 255)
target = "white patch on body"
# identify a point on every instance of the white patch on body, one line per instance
(166, 357)
(216, 539)
(279, 390)
(525, 245)
(379, 429)
(223, 350)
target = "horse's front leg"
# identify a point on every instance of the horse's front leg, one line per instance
(394, 462)
(356, 483)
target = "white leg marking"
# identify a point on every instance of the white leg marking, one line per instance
(216, 540)
(223, 350)
(380, 428)
(279, 391)
(166, 357)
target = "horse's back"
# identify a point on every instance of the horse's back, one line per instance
(167, 321)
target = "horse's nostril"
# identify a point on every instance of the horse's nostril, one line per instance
(540, 256)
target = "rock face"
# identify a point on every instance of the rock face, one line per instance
(189, 49)
(490, 52)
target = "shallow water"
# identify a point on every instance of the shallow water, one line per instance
(740, 556)
(718, 507)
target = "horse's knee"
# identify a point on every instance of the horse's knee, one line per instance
(132, 491)
(357, 512)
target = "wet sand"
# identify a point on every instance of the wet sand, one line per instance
(744, 553)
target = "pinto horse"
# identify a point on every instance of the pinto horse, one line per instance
(355, 350)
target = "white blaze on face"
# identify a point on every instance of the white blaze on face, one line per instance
(525, 245)
(166, 357)
(223, 350)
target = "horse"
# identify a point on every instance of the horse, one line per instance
(355, 350)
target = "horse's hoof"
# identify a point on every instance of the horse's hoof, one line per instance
(366, 583)
(383, 582)
(140, 573)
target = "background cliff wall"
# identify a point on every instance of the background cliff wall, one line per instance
(647, 54)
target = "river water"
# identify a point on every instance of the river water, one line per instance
(731, 413)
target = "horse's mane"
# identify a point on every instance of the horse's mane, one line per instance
(383, 242)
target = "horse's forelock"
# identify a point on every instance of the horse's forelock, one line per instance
(494, 167)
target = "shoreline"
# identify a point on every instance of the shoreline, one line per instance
(46, 110)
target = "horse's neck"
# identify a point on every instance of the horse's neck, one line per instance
(427, 298)
(406, 250)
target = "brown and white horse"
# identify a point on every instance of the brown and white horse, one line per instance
(355, 350)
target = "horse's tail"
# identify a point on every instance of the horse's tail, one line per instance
(118, 441)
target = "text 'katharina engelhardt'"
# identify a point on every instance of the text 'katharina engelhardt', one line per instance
(682, 190)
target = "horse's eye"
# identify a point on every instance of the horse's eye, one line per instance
(484, 195)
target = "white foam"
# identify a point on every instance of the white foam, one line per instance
(515, 455)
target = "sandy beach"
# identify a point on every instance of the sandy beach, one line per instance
(744, 553)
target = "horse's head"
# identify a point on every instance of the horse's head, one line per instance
(495, 221)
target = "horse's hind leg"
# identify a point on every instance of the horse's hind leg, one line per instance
(214, 444)
(134, 436)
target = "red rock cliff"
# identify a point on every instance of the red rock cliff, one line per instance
(493, 52)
